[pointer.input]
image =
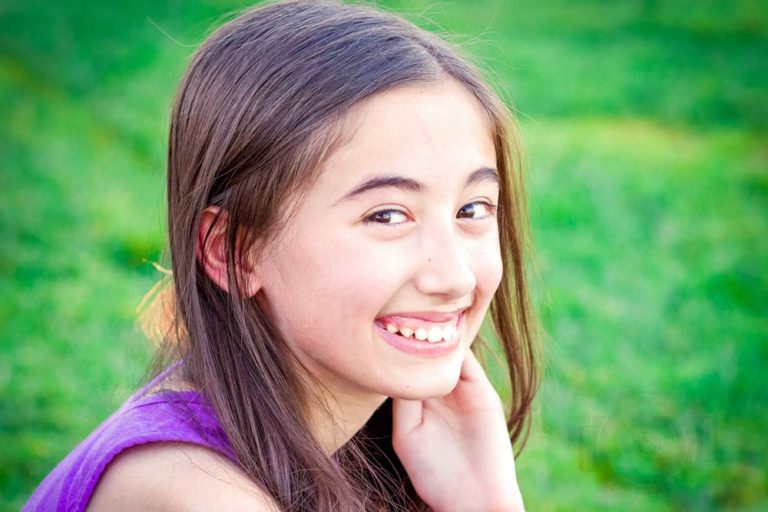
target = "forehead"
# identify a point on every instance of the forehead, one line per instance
(430, 130)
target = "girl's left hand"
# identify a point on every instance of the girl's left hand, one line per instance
(456, 449)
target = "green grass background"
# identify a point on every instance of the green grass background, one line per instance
(646, 126)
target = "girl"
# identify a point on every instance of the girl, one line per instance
(344, 207)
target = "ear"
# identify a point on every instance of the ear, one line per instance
(212, 253)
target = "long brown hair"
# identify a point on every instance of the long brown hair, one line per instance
(258, 110)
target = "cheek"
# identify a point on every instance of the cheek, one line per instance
(488, 266)
(334, 279)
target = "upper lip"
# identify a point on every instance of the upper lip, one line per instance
(427, 316)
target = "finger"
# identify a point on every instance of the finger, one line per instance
(474, 389)
(471, 369)
(407, 415)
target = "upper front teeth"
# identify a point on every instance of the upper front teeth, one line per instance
(434, 334)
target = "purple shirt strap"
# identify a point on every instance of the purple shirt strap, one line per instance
(168, 416)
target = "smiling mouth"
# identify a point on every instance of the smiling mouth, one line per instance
(428, 327)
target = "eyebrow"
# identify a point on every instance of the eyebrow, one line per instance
(408, 184)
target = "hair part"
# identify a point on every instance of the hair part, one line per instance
(259, 109)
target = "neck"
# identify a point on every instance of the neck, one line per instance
(337, 416)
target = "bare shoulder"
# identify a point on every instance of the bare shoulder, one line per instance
(176, 477)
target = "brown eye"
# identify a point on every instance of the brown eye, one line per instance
(477, 210)
(389, 217)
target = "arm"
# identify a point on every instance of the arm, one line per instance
(456, 449)
(176, 477)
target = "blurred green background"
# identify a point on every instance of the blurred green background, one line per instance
(646, 128)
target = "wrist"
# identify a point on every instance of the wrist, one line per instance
(503, 504)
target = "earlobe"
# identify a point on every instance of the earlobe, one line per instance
(212, 253)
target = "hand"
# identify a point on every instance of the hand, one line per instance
(456, 448)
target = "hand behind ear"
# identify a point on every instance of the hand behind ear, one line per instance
(212, 245)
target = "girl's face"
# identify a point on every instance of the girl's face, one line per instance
(398, 233)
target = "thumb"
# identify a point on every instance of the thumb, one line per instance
(407, 415)
(471, 369)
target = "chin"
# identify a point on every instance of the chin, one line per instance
(433, 386)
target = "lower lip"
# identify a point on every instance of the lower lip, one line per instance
(422, 348)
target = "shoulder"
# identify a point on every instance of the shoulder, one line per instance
(178, 477)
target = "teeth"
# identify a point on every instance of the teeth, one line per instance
(435, 335)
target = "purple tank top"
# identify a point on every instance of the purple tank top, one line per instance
(166, 416)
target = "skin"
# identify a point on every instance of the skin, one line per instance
(176, 476)
(456, 448)
(345, 260)
(334, 272)
(417, 256)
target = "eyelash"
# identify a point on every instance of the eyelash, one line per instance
(370, 218)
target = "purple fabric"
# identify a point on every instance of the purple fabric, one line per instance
(167, 416)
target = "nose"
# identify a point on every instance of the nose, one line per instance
(444, 268)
